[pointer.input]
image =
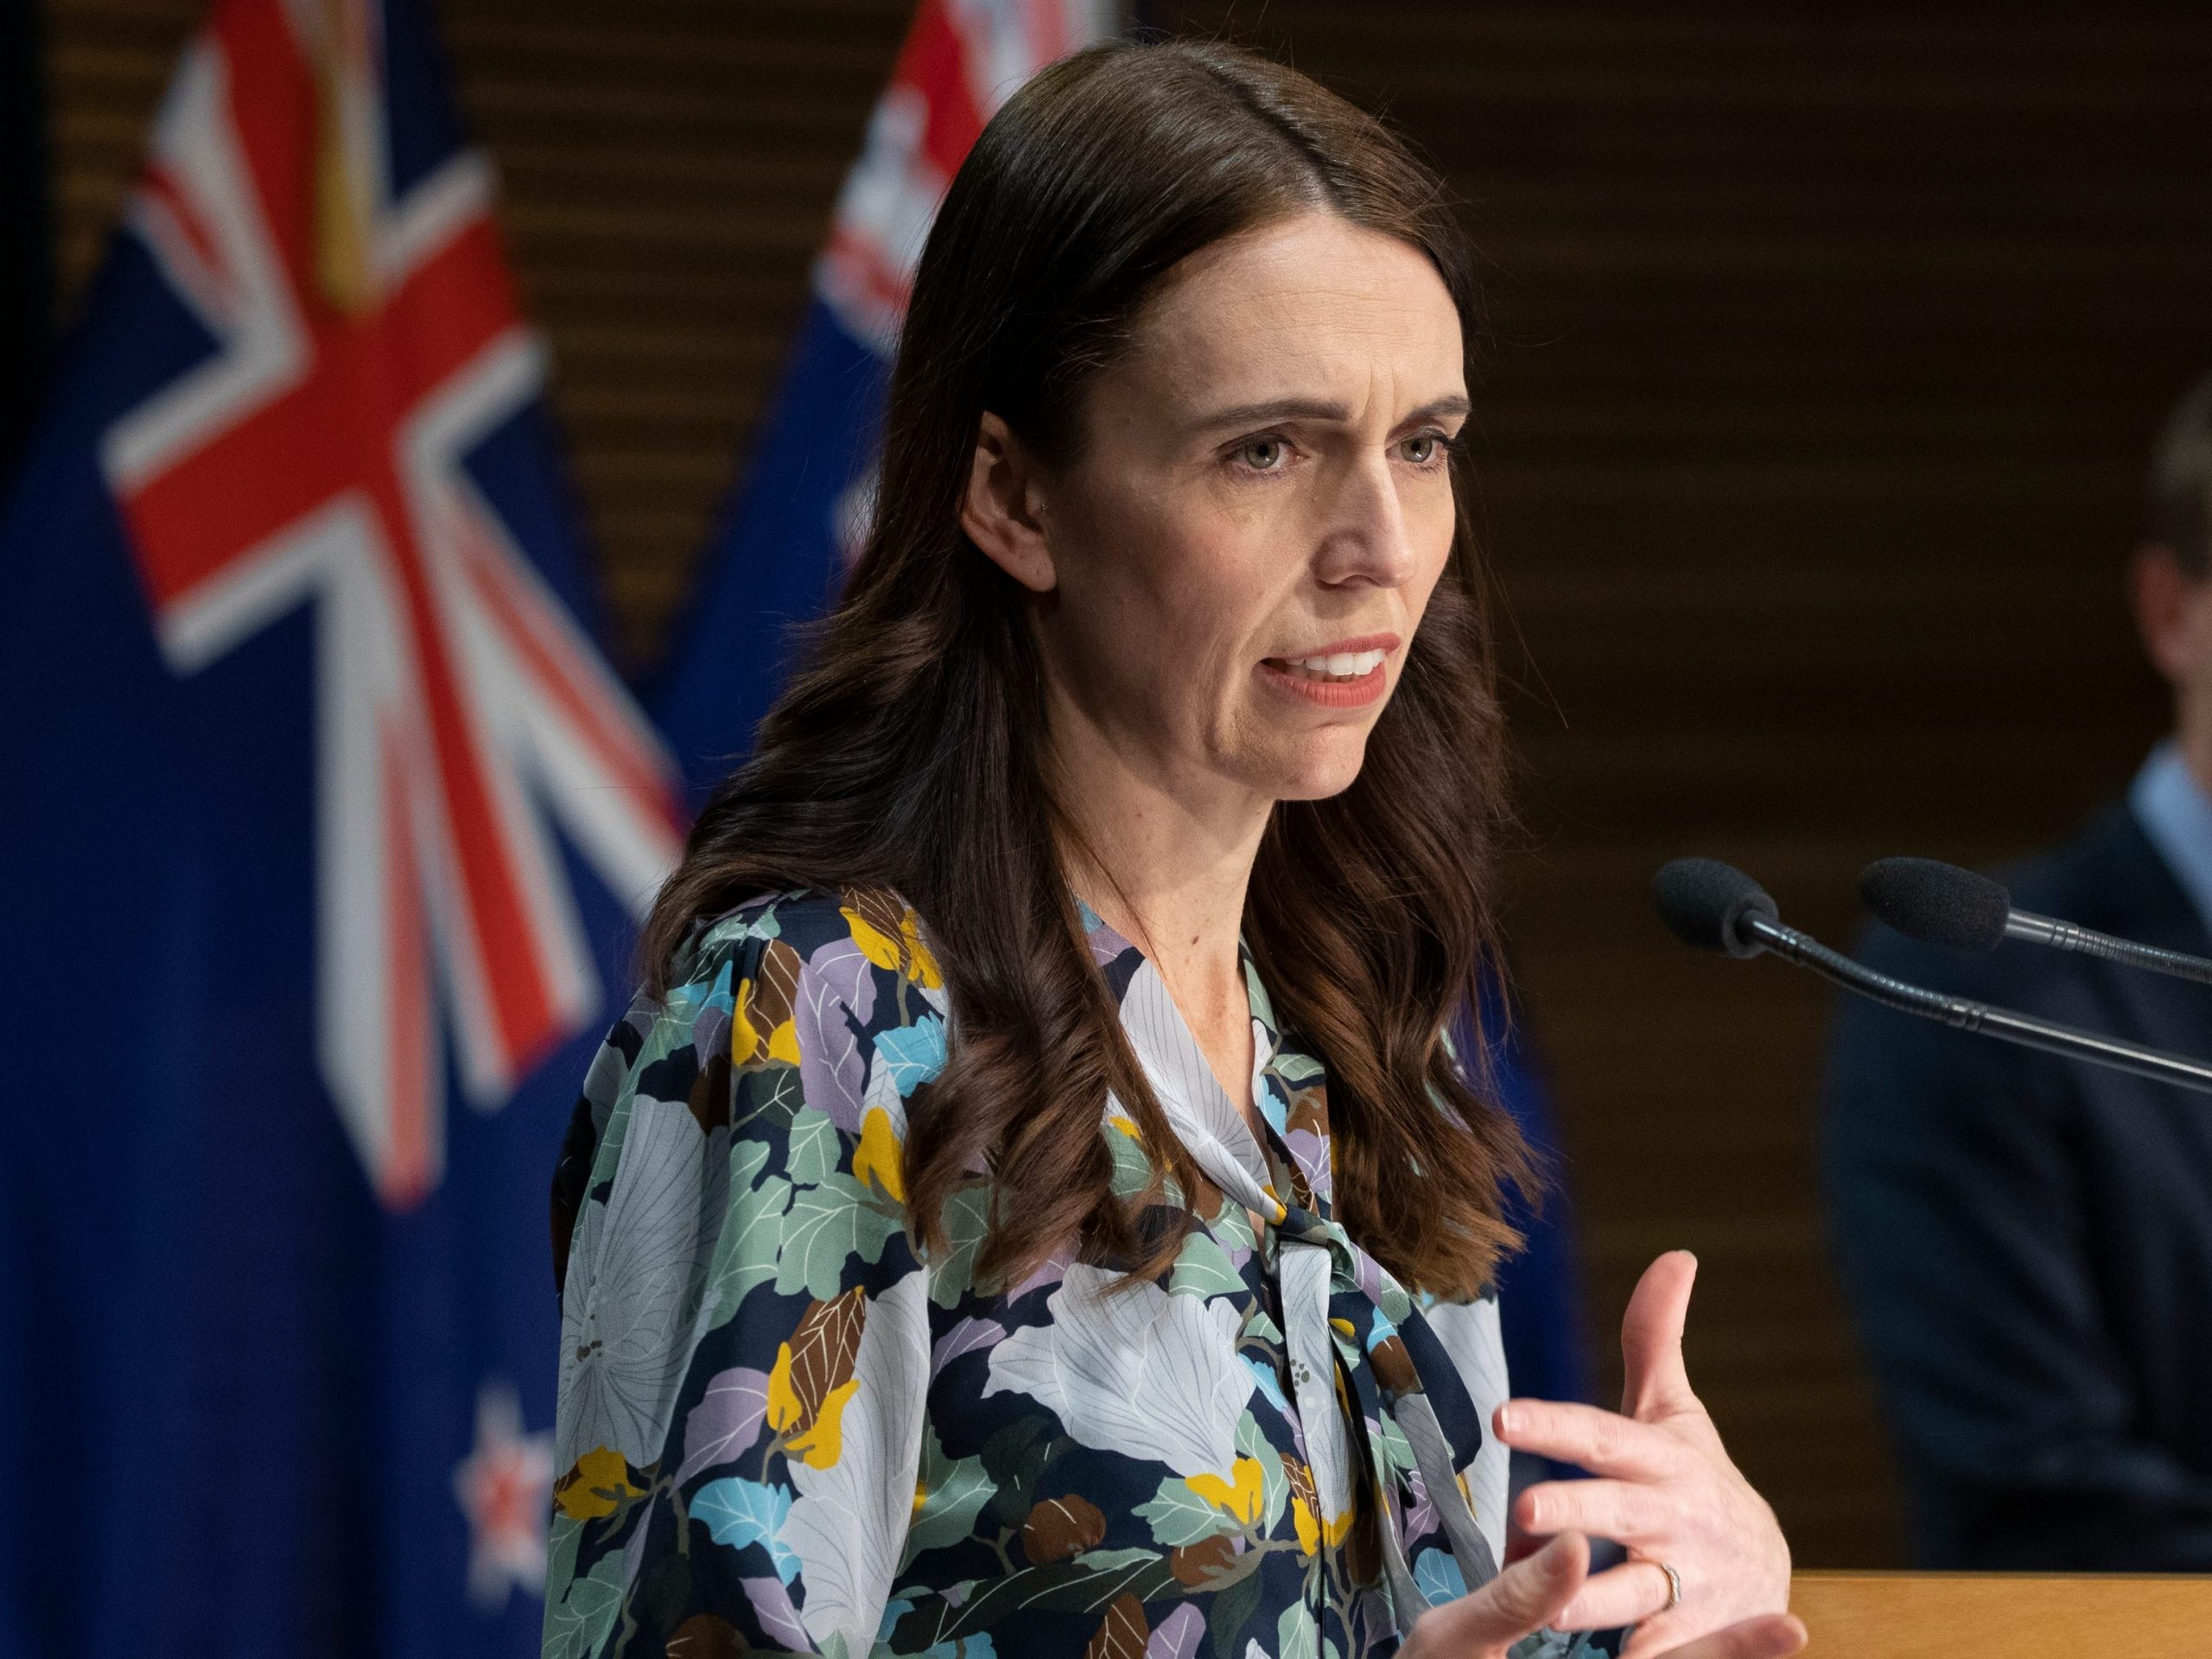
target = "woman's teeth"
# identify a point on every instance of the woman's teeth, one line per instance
(1339, 665)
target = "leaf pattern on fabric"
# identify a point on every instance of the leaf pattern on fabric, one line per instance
(947, 1497)
(1058, 1527)
(740, 1512)
(621, 1352)
(1123, 1632)
(725, 1423)
(1177, 1635)
(761, 1032)
(848, 1522)
(837, 992)
(1143, 1373)
(784, 1427)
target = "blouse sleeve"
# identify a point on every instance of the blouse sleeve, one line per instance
(745, 1327)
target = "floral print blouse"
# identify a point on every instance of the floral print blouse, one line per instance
(782, 1427)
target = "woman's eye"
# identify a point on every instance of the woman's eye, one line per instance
(1260, 454)
(1430, 451)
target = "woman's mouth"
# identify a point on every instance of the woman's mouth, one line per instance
(1338, 667)
(1341, 679)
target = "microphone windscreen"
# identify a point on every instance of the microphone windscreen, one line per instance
(1937, 903)
(1703, 903)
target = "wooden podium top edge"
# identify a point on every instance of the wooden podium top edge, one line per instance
(1899, 1575)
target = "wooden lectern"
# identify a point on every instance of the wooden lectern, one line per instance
(2019, 1614)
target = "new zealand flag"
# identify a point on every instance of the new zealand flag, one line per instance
(324, 829)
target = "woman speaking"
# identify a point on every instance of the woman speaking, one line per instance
(1033, 1207)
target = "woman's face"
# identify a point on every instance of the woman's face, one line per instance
(1263, 507)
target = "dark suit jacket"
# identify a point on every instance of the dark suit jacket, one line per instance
(2027, 1241)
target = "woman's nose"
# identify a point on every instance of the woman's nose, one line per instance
(1363, 533)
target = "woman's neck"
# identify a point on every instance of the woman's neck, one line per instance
(1166, 861)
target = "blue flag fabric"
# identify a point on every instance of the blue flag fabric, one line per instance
(1540, 1301)
(782, 549)
(323, 829)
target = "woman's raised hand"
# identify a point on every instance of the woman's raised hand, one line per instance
(1541, 1589)
(1665, 1488)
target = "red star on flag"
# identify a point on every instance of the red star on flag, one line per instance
(504, 1487)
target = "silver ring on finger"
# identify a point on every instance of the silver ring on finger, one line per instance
(1673, 1586)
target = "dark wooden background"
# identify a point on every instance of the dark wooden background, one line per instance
(1828, 344)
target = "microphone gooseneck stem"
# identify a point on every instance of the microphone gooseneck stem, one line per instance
(1962, 1015)
(2025, 925)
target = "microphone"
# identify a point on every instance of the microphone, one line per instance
(1705, 903)
(1940, 904)
(1716, 906)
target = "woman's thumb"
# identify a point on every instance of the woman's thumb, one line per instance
(1525, 1597)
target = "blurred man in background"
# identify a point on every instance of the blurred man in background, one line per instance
(2027, 1241)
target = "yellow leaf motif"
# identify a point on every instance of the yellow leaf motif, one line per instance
(784, 1407)
(877, 1156)
(1333, 1533)
(878, 947)
(921, 1497)
(1309, 1534)
(819, 1444)
(595, 1487)
(1126, 1125)
(782, 1044)
(744, 1040)
(1240, 1499)
(923, 965)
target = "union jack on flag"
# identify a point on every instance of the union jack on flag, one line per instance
(366, 341)
(322, 807)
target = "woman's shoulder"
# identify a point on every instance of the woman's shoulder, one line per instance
(799, 972)
(817, 978)
(805, 921)
(795, 1014)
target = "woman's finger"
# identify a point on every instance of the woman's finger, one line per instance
(1620, 1595)
(1525, 1597)
(1655, 1382)
(1623, 1510)
(1773, 1635)
(1603, 1442)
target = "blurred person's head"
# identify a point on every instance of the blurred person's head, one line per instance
(2171, 579)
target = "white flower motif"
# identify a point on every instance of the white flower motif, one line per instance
(632, 1283)
(850, 1522)
(1470, 1334)
(1141, 1372)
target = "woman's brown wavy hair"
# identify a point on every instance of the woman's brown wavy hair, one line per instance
(905, 753)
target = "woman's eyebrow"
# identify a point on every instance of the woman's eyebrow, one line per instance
(1313, 409)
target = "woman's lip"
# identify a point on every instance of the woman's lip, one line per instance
(1385, 642)
(1330, 694)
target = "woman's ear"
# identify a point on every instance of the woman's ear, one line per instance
(1001, 509)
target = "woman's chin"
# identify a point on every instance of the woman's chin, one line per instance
(1321, 771)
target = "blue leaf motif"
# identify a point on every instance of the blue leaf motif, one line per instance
(741, 1512)
(1437, 1576)
(914, 1053)
(1270, 1385)
(978, 1645)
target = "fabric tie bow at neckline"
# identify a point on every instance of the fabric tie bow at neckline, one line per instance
(1323, 1276)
